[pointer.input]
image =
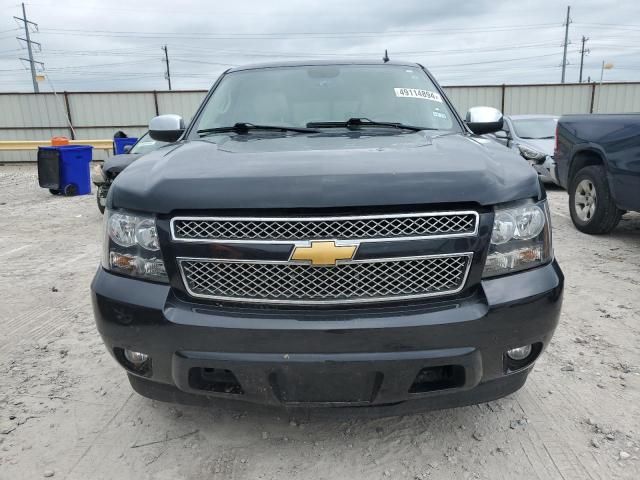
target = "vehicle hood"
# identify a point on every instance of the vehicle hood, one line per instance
(544, 145)
(116, 163)
(323, 171)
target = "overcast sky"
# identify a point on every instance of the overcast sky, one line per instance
(116, 45)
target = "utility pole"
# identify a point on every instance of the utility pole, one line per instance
(167, 75)
(28, 41)
(582, 54)
(566, 42)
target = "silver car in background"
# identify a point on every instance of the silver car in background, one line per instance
(534, 137)
(104, 175)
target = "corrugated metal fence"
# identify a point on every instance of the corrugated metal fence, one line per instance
(95, 115)
(555, 99)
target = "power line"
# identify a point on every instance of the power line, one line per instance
(203, 62)
(370, 32)
(282, 35)
(493, 61)
(99, 65)
(615, 26)
(85, 67)
(214, 60)
(142, 52)
(189, 59)
(488, 49)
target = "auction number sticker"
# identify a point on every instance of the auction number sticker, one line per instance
(418, 93)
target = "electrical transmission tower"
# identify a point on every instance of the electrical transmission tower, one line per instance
(566, 43)
(29, 42)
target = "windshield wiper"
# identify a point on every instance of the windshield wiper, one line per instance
(243, 127)
(365, 122)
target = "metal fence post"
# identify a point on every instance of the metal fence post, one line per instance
(155, 101)
(68, 107)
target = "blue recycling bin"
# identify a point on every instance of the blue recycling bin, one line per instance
(120, 143)
(65, 169)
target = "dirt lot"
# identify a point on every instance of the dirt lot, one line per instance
(67, 411)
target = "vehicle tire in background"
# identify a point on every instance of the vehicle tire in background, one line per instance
(101, 197)
(593, 209)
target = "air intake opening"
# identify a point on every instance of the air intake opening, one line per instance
(438, 378)
(216, 380)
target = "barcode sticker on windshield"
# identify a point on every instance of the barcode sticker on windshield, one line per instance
(418, 93)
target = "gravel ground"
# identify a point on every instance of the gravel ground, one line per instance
(67, 411)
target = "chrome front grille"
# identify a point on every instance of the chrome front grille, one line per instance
(364, 228)
(348, 282)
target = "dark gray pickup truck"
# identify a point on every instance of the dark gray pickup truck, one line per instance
(328, 235)
(598, 162)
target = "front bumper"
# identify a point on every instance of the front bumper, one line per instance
(97, 174)
(339, 357)
(547, 170)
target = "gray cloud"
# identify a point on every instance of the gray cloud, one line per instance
(95, 45)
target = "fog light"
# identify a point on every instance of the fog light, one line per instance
(519, 353)
(136, 358)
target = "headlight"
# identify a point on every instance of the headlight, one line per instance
(521, 238)
(531, 154)
(131, 246)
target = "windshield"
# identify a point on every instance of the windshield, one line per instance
(535, 128)
(297, 96)
(146, 144)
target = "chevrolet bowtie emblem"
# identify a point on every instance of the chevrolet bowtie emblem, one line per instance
(324, 253)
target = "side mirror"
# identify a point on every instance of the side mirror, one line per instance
(166, 128)
(127, 148)
(481, 120)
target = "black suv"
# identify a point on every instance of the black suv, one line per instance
(328, 234)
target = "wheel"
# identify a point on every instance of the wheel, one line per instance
(101, 197)
(53, 191)
(70, 190)
(593, 209)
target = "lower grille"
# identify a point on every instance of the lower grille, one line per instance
(354, 281)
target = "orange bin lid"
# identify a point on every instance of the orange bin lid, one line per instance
(57, 141)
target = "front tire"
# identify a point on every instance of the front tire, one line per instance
(592, 207)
